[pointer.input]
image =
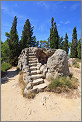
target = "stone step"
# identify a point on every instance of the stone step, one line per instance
(33, 64)
(32, 59)
(39, 87)
(33, 68)
(35, 72)
(32, 56)
(33, 77)
(35, 61)
(37, 81)
(31, 52)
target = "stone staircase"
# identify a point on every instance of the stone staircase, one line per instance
(36, 83)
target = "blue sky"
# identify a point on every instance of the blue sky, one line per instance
(67, 15)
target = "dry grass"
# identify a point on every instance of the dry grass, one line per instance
(31, 95)
(76, 65)
(21, 82)
(69, 65)
(63, 84)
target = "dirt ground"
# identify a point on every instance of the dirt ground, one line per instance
(44, 107)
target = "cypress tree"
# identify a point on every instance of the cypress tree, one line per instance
(54, 37)
(27, 39)
(13, 43)
(79, 49)
(60, 45)
(65, 44)
(52, 34)
(74, 53)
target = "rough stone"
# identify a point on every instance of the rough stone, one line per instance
(49, 76)
(29, 86)
(71, 61)
(58, 62)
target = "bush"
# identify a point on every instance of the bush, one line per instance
(78, 60)
(5, 66)
(76, 65)
(63, 84)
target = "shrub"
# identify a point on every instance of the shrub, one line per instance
(69, 65)
(76, 65)
(63, 84)
(78, 60)
(5, 66)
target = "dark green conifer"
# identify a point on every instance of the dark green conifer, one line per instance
(65, 44)
(79, 49)
(74, 53)
(12, 39)
(27, 40)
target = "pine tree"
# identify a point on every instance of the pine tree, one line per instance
(79, 49)
(12, 39)
(65, 44)
(27, 40)
(74, 53)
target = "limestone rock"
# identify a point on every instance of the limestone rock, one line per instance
(58, 62)
(48, 75)
(71, 61)
(29, 86)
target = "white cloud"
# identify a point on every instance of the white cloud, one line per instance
(43, 4)
(58, 24)
(67, 22)
(75, 6)
(12, 13)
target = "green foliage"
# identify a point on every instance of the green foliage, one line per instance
(44, 44)
(54, 37)
(79, 49)
(69, 44)
(63, 84)
(5, 66)
(27, 40)
(37, 43)
(60, 45)
(12, 39)
(76, 65)
(65, 44)
(78, 60)
(4, 51)
(74, 44)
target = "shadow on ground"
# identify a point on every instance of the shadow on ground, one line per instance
(10, 74)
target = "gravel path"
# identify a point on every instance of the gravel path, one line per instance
(44, 107)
